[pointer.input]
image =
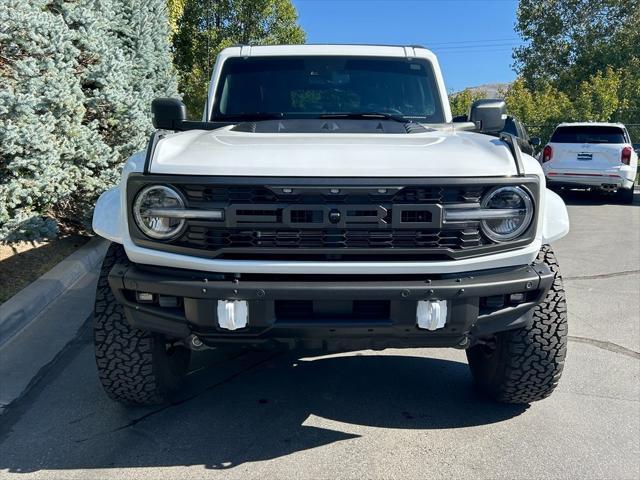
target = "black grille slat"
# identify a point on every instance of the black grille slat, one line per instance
(330, 238)
(419, 195)
(256, 194)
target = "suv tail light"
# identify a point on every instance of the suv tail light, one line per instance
(547, 153)
(626, 155)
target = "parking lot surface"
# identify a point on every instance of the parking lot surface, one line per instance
(392, 414)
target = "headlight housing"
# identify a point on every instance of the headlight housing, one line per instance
(151, 210)
(516, 213)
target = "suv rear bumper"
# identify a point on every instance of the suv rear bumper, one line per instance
(334, 313)
(618, 177)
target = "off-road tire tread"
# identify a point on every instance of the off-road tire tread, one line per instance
(531, 359)
(132, 363)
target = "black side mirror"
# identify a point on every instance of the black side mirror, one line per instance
(535, 141)
(488, 115)
(168, 113)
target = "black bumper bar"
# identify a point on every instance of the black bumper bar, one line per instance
(336, 314)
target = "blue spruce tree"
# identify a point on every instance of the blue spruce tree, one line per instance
(76, 83)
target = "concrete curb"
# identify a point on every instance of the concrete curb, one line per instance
(19, 310)
(41, 320)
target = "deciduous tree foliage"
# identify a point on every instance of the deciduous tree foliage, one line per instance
(204, 27)
(597, 100)
(461, 101)
(581, 60)
(569, 41)
(76, 81)
(542, 109)
(174, 12)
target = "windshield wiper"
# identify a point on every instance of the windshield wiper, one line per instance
(367, 116)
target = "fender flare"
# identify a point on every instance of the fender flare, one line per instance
(107, 216)
(109, 219)
(556, 218)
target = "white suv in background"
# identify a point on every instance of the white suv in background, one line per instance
(591, 155)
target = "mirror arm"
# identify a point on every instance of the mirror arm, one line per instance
(151, 147)
(512, 143)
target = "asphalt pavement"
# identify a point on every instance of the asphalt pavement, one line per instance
(392, 414)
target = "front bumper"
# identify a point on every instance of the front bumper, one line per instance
(332, 312)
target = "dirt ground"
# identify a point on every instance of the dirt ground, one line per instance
(23, 262)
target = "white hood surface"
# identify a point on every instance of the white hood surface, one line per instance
(438, 153)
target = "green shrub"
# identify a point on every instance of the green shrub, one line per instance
(76, 83)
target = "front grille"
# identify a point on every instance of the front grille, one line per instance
(327, 219)
(342, 222)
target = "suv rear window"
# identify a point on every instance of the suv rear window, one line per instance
(588, 135)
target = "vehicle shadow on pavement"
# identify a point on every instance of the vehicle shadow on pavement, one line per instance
(593, 198)
(260, 407)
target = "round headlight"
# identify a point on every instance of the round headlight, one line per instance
(152, 211)
(515, 213)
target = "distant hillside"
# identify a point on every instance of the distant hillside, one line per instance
(491, 89)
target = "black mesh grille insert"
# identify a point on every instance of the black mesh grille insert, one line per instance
(213, 238)
(260, 194)
(306, 216)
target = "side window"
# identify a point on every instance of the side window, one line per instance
(510, 127)
(523, 131)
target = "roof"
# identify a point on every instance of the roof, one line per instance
(408, 51)
(591, 124)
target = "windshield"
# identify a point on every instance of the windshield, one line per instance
(588, 134)
(320, 86)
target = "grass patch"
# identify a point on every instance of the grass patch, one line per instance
(23, 262)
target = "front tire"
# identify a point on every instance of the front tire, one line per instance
(525, 365)
(134, 366)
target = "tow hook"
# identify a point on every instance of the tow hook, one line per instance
(463, 344)
(194, 343)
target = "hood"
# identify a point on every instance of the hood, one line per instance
(433, 153)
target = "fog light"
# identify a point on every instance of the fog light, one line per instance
(144, 297)
(232, 314)
(431, 314)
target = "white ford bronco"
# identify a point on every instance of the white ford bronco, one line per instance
(327, 201)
